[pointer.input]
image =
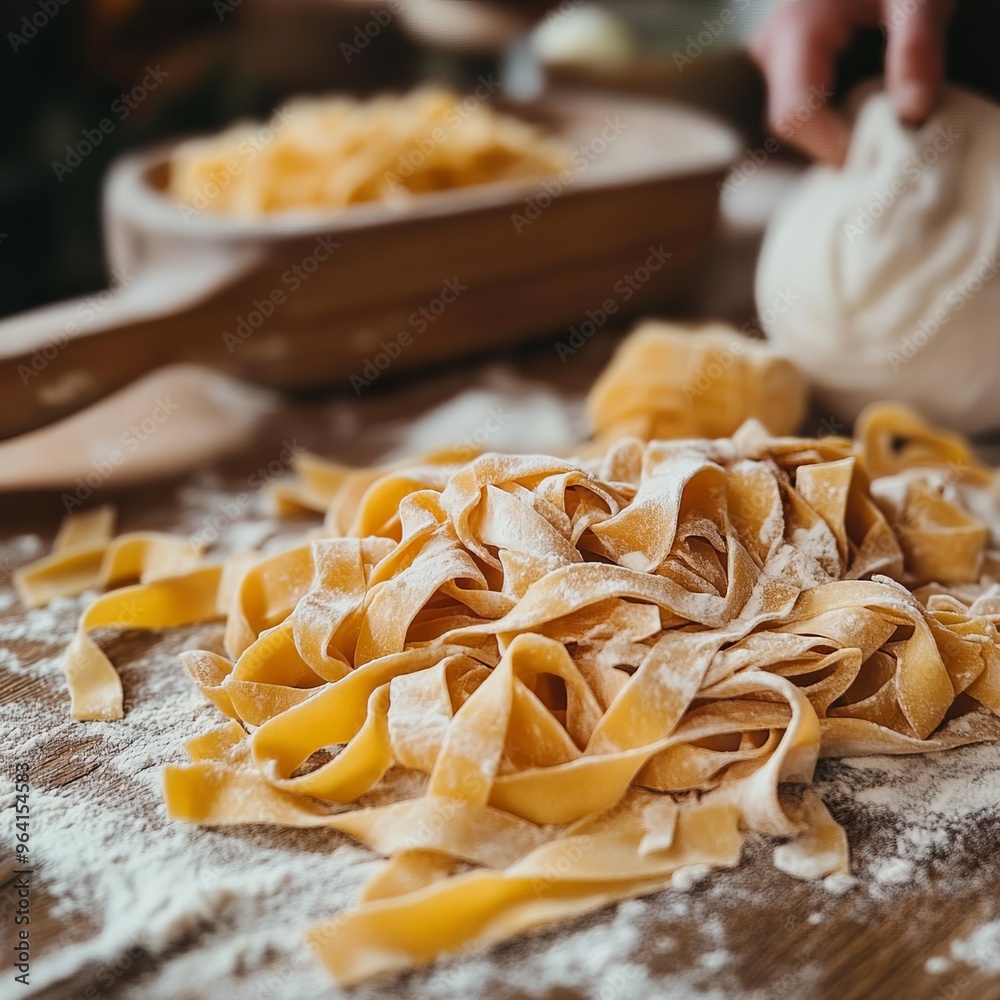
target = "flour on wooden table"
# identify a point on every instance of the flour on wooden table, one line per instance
(979, 950)
(161, 909)
(54, 621)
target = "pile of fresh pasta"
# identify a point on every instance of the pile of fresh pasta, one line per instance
(595, 671)
(331, 152)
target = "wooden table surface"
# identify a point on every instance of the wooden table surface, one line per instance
(777, 937)
(783, 938)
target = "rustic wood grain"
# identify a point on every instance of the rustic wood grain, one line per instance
(656, 181)
(863, 946)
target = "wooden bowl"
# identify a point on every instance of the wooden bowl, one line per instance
(312, 298)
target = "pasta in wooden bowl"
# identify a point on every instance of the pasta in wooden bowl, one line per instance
(328, 153)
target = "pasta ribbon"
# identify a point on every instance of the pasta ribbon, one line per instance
(331, 152)
(596, 671)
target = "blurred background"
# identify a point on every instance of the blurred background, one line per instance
(163, 68)
(87, 81)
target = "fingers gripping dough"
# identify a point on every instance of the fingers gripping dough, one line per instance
(879, 280)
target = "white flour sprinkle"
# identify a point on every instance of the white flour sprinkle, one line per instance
(714, 960)
(685, 879)
(54, 623)
(981, 949)
(23, 547)
(223, 910)
(923, 802)
(839, 883)
(895, 871)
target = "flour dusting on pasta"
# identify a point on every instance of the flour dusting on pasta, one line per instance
(604, 672)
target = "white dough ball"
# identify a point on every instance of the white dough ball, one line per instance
(881, 280)
(582, 34)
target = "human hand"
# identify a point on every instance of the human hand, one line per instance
(798, 47)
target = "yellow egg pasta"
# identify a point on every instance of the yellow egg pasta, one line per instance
(597, 671)
(665, 382)
(323, 153)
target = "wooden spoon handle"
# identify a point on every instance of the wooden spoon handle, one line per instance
(62, 374)
(61, 358)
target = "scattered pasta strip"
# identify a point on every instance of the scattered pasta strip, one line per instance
(328, 153)
(601, 671)
(894, 439)
(85, 555)
(666, 383)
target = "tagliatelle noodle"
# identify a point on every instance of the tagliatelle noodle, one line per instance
(86, 555)
(331, 152)
(895, 438)
(666, 383)
(601, 670)
(94, 684)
